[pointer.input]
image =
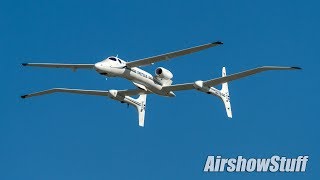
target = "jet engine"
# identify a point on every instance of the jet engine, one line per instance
(163, 73)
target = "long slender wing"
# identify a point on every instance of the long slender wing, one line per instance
(86, 92)
(65, 90)
(133, 92)
(243, 74)
(217, 81)
(167, 56)
(57, 65)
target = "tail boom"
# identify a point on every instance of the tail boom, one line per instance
(139, 103)
(223, 94)
(225, 97)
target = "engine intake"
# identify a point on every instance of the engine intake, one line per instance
(163, 73)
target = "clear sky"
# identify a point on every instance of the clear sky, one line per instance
(65, 136)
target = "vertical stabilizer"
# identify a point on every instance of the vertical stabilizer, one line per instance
(225, 95)
(141, 108)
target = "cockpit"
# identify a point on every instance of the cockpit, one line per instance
(112, 58)
(115, 59)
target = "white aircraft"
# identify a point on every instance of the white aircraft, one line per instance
(160, 84)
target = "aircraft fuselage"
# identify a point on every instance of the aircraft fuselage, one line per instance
(140, 78)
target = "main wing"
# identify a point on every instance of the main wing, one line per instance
(217, 81)
(167, 56)
(57, 65)
(132, 92)
(139, 103)
(243, 74)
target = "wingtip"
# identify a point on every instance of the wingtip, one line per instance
(24, 96)
(217, 42)
(296, 67)
(24, 64)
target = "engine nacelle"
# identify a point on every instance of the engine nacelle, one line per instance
(163, 73)
(198, 85)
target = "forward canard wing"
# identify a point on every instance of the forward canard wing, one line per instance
(167, 56)
(135, 63)
(57, 65)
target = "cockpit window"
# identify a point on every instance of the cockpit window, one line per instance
(113, 58)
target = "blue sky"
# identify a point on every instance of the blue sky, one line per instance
(66, 136)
